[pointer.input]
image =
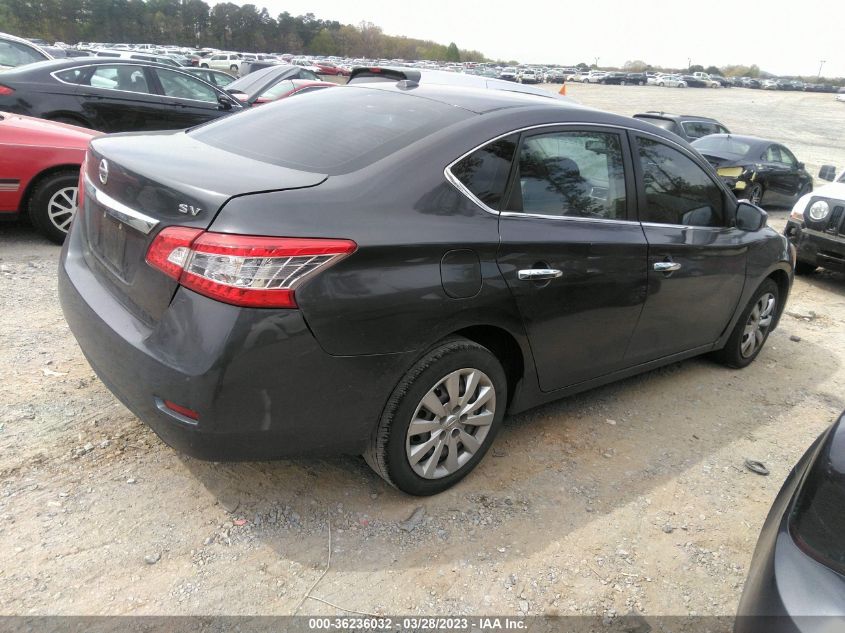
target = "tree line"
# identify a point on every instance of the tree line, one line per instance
(225, 25)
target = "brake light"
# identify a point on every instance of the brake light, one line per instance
(243, 270)
(5, 90)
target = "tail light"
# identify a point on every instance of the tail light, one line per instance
(818, 516)
(243, 270)
(5, 90)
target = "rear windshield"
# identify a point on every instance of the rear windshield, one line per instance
(330, 131)
(723, 146)
(666, 124)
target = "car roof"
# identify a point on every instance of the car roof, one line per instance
(52, 65)
(474, 99)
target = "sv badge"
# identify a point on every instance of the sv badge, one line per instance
(189, 209)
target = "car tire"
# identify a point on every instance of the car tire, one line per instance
(754, 194)
(662, 85)
(458, 363)
(804, 190)
(804, 268)
(233, 68)
(52, 204)
(752, 328)
(203, 65)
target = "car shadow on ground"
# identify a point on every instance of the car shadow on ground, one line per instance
(552, 470)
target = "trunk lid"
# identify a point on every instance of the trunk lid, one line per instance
(137, 185)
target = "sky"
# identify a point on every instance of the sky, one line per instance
(786, 39)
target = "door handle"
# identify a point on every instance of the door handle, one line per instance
(539, 274)
(666, 267)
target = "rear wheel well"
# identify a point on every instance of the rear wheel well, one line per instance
(23, 206)
(503, 346)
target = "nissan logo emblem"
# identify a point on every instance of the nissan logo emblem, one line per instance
(104, 171)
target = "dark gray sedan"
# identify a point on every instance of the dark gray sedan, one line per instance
(386, 269)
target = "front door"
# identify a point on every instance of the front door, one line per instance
(571, 252)
(696, 259)
(189, 101)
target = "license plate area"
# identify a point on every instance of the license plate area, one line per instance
(107, 236)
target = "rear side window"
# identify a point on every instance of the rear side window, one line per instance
(333, 131)
(485, 171)
(17, 54)
(72, 76)
(677, 190)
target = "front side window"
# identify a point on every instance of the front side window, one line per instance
(180, 86)
(576, 174)
(677, 190)
(786, 157)
(485, 171)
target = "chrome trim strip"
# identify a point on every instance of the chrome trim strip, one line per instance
(451, 178)
(571, 218)
(119, 211)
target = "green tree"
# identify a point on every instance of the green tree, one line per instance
(323, 43)
(452, 53)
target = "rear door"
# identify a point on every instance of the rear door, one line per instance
(572, 252)
(118, 98)
(696, 258)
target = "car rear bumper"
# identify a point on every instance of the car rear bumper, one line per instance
(260, 382)
(815, 247)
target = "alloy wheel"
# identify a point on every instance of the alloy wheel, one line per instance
(450, 423)
(758, 324)
(62, 207)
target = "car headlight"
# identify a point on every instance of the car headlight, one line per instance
(730, 172)
(819, 210)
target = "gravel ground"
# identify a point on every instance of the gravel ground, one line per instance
(631, 496)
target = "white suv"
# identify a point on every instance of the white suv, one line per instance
(229, 62)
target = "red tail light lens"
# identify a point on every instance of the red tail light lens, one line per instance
(5, 90)
(244, 270)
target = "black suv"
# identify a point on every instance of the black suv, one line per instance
(688, 126)
(816, 226)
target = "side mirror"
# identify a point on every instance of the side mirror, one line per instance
(827, 172)
(800, 165)
(750, 217)
(224, 103)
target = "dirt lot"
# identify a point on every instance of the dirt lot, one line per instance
(629, 496)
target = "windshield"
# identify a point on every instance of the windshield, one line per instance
(723, 146)
(666, 124)
(337, 131)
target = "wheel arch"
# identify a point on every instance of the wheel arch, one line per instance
(781, 278)
(504, 347)
(23, 205)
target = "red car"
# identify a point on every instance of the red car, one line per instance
(287, 88)
(328, 68)
(39, 171)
